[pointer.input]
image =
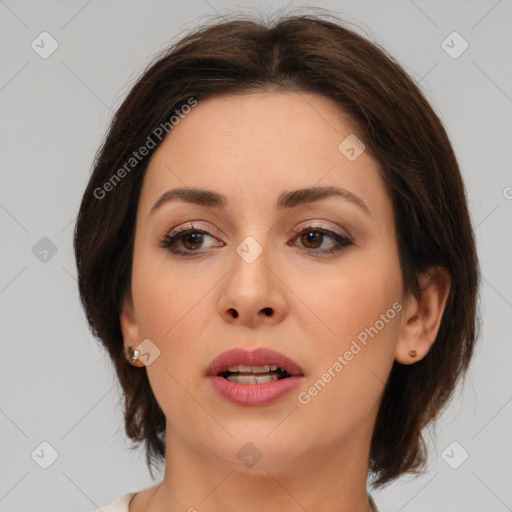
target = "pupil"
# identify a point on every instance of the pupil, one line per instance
(196, 238)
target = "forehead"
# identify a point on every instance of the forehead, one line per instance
(260, 143)
(263, 123)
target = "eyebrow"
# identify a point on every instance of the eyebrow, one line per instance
(286, 200)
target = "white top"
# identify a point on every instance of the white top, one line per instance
(120, 505)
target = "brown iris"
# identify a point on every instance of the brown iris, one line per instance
(312, 237)
(196, 240)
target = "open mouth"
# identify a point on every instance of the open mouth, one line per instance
(245, 374)
(258, 366)
(253, 378)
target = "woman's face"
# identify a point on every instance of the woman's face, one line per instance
(318, 281)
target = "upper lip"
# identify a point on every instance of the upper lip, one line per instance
(256, 357)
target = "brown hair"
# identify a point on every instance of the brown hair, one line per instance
(313, 53)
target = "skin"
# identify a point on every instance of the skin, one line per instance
(251, 148)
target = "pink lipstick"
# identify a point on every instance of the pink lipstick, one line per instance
(253, 378)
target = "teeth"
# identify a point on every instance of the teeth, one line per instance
(252, 379)
(242, 368)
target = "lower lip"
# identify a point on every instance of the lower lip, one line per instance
(254, 394)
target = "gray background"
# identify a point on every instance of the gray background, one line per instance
(58, 386)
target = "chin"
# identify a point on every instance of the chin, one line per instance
(260, 449)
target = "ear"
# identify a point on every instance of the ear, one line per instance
(422, 316)
(129, 327)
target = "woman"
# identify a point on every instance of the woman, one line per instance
(275, 249)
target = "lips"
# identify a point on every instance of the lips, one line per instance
(259, 357)
(254, 378)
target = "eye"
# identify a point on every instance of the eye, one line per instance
(313, 237)
(186, 240)
(190, 240)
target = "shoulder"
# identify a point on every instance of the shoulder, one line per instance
(121, 504)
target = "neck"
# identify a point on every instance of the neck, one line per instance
(331, 478)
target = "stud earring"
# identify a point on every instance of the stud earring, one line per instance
(412, 353)
(133, 357)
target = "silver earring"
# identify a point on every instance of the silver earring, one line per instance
(134, 356)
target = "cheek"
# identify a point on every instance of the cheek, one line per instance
(171, 311)
(168, 298)
(360, 311)
(174, 306)
(344, 301)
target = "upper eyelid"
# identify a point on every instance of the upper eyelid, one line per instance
(315, 224)
(194, 225)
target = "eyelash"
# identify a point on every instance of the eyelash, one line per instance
(169, 240)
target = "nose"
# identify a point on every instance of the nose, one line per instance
(252, 293)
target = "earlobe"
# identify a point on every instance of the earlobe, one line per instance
(129, 329)
(422, 316)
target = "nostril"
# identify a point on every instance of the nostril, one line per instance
(234, 312)
(267, 311)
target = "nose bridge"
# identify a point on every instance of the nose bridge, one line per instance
(251, 291)
(251, 266)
